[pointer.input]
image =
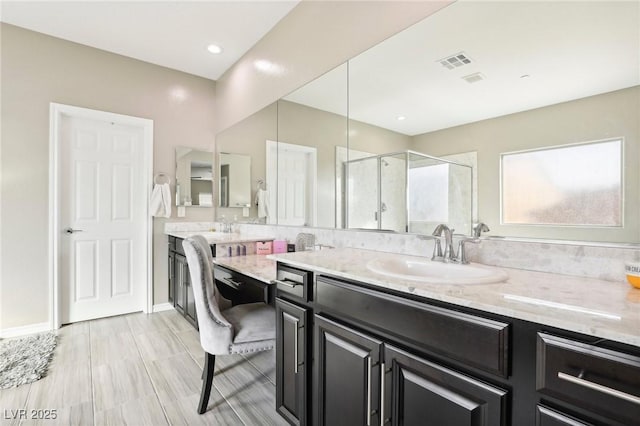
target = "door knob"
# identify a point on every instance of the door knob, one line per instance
(71, 230)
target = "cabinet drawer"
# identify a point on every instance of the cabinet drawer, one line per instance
(293, 283)
(473, 340)
(600, 380)
(240, 288)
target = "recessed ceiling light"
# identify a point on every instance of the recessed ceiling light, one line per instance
(401, 118)
(214, 48)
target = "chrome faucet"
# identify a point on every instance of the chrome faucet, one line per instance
(448, 255)
(461, 256)
(479, 229)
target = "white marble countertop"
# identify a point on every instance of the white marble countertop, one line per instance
(220, 237)
(255, 266)
(606, 309)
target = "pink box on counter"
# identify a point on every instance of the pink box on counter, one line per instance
(280, 246)
(263, 247)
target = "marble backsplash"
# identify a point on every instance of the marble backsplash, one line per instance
(602, 262)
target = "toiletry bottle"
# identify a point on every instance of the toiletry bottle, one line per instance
(230, 251)
(244, 250)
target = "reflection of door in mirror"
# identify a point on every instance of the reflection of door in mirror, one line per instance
(235, 180)
(296, 171)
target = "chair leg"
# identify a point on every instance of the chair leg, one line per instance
(207, 381)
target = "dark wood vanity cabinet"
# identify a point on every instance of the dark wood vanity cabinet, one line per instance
(240, 288)
(171, 275)
(348, 375)
(293, 344)
(291, 361)
(180, 290)
(601, 381)
(367, 379)
(233, 285)
(417, 391)
(372, 356)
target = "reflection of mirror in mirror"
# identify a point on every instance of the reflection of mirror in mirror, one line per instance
(248, 137)
(194, 177)
(235, 180)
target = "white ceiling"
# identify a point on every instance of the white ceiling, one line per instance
(173, 34)
(570, 50)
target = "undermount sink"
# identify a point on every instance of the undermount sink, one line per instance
(437, 272)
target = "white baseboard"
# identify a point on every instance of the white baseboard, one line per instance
(24, 330)
(162, 307)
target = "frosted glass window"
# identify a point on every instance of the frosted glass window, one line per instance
(429, 193)
(577, 185)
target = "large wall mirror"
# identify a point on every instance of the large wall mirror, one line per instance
(194, 177)
(546, 96)
(312, 140)
(247, 140)
(541, 88)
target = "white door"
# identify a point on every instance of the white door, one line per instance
(102, 219)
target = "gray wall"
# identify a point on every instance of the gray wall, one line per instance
(594, 118)
(38, 69)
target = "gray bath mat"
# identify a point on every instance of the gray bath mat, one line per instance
(25, 360)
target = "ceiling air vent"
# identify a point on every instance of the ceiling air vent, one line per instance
(455, 61)
(473, 78)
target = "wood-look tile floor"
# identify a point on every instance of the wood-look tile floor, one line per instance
(140, 369)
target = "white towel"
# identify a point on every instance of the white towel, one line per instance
(262, 201)
(160, 204)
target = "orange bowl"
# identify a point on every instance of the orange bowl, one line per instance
(634, 280)
(633, 273)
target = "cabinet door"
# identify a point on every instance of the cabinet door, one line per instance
(291, 362)
(190, 303)
(419, 392)
(548, 417)
(171, 277)
(348, 375)
(181, 272)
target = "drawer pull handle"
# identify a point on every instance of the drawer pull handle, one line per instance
(369, 386)
(287, 283)
(382, 373)
(295, 348)
(232, 283)
(600, 388)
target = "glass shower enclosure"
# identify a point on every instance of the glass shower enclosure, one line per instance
(408, 192)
